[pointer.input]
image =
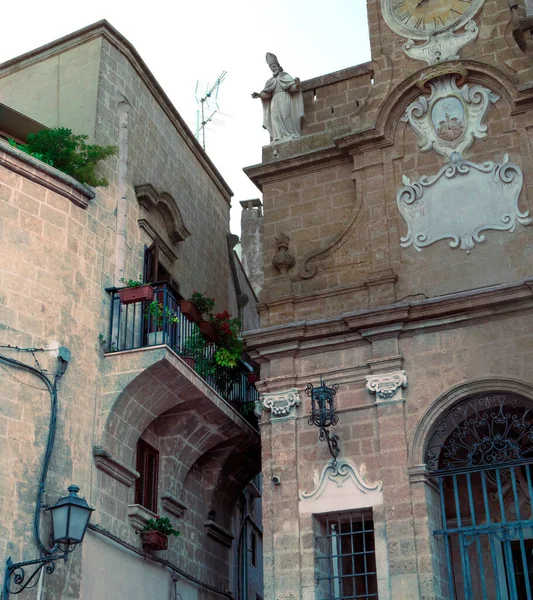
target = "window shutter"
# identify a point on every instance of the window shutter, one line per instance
(151, 261)
(148, 468)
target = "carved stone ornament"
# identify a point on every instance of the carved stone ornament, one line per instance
(341, 486)
(460, 202)
(451, 118)
(435, 24)
(280, 404)
(387, 386)
(282, 260)
(442, 46)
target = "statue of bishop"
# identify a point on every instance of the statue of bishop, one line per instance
(283, 107)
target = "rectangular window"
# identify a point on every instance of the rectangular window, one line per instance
(148, 468)
(345, 556)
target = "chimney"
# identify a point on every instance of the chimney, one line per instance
(252, 242)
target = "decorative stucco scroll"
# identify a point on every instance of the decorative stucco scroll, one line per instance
(281, 404)
(460, 202)
(387, 386)
(309, 264)
(341, 486)
(451, 118)
(443, 46)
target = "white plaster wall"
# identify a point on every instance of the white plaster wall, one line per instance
(110, 571)
(59, 91)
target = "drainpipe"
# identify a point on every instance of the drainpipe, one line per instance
(122, 204)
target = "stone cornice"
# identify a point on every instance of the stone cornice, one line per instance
(39, 172)
(218, 533)
(105, 30)
(397, 319)
(280, 169)
(105, 462)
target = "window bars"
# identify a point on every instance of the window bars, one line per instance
(345, 556)
(480, 456)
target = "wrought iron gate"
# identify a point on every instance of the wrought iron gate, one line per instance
(480, 456)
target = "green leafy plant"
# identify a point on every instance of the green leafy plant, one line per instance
(132, 282)
(196, 347)
(230, 345)
(158, 312)
(161, 524)
(68, 152)
(203, 303)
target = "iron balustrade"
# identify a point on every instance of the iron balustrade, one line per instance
(145, 324)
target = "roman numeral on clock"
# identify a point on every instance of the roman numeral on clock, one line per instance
(405, 17)
(456, 12)
(438, 22)
(420, 23)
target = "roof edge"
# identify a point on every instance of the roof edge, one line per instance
(104, 29)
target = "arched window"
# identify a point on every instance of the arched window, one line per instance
(479, 455)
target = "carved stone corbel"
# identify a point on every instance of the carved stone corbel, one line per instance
(281, 403)
(387, 386)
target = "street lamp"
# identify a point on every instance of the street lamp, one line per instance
(323, 413)
(70, 518)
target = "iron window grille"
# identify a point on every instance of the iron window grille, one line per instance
(148, 468)
(346, 556)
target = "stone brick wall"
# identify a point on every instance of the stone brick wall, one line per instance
(58, 243)
(357, 307)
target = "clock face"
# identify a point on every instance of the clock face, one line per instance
(420, 18)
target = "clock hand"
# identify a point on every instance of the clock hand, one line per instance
(421, 2)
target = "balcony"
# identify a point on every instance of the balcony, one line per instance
(144, 324)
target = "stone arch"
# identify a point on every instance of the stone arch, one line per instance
(147, 384)
(452, 396)
(150, 199)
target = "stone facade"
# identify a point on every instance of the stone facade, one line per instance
(405, 334)
(62, 244)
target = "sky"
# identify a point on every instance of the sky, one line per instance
(188, 44)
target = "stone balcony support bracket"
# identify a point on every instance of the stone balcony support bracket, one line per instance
(172, 505)
(218, 533)
(388, 387)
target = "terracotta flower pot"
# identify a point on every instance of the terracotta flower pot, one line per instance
(154, 540)
(136, 294)
(189, 310)
(208, 331)
(252, 377)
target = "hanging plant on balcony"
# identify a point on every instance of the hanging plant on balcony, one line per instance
(195, 349)
(155, 533)
(230, 345)
(203, 303)
(159, 313)
(135, 291)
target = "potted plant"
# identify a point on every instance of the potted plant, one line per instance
(155, 533)
(135, 291)
(197, 306)
(159, 316)
(252, 377)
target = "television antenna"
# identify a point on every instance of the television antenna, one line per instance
(208, 108)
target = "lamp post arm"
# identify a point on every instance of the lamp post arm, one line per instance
(19, 574)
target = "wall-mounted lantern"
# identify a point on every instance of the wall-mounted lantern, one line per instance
(70, 518)
(323, 413)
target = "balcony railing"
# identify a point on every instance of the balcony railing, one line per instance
(146, 323)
